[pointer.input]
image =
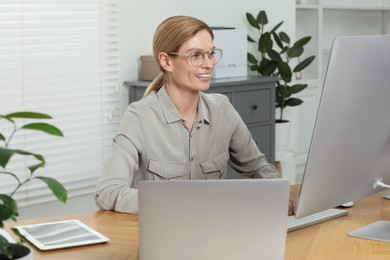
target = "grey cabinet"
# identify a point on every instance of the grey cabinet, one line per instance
(252, 97)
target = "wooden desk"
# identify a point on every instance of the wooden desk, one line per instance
(327, 240)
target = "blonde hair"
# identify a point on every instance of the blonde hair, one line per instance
(169, 37)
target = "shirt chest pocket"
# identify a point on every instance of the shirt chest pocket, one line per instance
(215, 167)
(166, 170)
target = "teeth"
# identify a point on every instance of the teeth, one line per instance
(203, 76)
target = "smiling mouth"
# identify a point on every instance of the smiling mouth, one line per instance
(203, 76)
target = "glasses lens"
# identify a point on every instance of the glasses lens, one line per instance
(215, 56)
(197, 58)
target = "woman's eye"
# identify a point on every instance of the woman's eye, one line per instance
(196, 55)
(211, 53)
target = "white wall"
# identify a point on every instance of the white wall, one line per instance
(140, 18)
(138, 22)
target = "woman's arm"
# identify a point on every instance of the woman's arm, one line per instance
(245, 156)
(113, 190)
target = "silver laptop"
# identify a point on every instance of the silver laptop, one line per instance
(213, 219)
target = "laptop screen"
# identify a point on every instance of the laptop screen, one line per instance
(213, 219)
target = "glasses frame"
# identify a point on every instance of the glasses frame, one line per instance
(190, 53)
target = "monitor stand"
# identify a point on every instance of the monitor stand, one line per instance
(378, 231)
(386, 195)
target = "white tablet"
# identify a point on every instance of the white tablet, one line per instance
(61, 234)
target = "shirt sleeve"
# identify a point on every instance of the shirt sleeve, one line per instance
(245, 156)
(114, 190)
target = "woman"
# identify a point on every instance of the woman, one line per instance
(176, 131)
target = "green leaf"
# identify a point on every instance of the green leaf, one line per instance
(295, 52)
(262, 18)
(57, 188)
(7, 118)
(252, 59)
(5, 247)
(303, 64)
(274, 55)
(2, 137)
(34, 167)
(5, 156)
(8, 208)
(37, 156)
(250, 39)
(285, 49)
(276, 27)
(277, 40)
(27, 114)
(267, 67)
(252, 21)
(297, 88)
(282, 92)
(285, 71)
(292, 102)
(302, 42)
(284, 37)
(44, 127)
(255, 68)
(265, 42)
(21, 238)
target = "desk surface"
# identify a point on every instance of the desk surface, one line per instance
(327, 240)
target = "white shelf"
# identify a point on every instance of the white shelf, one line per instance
(326, 19)
(348, 7)
(310, 6)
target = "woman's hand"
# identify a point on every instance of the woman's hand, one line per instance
(291, 207)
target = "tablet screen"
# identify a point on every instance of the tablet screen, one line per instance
(61, 234)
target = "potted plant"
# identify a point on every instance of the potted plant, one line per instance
(8, 206)
(274, 57)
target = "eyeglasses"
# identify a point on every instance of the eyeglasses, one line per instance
(197, 57)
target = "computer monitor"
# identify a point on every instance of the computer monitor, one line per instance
(350, 146)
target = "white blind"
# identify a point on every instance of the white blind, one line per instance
(61, 57)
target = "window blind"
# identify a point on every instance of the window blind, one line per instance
(61, 57)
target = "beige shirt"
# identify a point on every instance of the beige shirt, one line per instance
(154, 144)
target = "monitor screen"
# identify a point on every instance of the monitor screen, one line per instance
(350, 146)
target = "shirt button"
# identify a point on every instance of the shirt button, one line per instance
(200, 121)
(192, 159)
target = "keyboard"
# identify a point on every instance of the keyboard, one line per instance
(294, 223)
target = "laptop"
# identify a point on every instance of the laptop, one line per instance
(213, 219)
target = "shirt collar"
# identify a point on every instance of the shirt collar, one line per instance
(171, 113)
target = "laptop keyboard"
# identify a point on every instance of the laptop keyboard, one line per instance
(294, 223)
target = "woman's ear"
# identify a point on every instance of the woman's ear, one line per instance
(165, 61)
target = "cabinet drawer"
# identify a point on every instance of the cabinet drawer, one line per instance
(254, 106)
(262, 136)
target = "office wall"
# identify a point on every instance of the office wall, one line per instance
(140, 18)
(138, 22)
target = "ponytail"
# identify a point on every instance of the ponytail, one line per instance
(156, 84)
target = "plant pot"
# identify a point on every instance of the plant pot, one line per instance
(282, 136)
(21, 252)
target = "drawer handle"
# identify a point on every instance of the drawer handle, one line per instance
(254, 107)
